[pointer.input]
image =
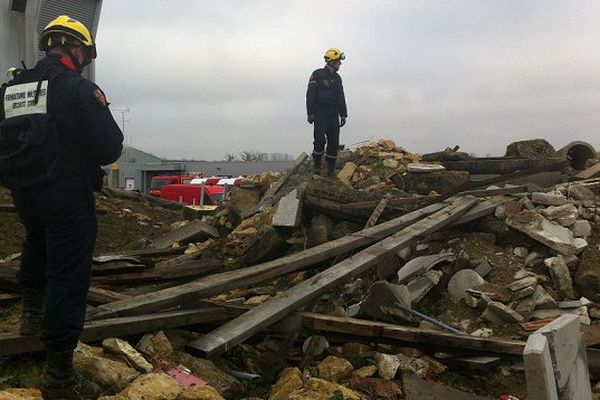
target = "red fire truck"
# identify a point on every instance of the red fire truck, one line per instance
(194, 195)
(159, 181)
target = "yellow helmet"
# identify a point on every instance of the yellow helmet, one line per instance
(66, 30)
(334, 54)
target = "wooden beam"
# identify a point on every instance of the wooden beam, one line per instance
(377, 211)
(245, 326)
(102, 296)
(148, 253)
(11, 343)
(219, 283)
(357, 327)
(192, 269)
(589, 172)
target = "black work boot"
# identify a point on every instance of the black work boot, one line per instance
(32, 319)
(330, 166)
(61, 382)
(317, 162)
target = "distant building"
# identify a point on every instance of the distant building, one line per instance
(21, 22)
(135, 169)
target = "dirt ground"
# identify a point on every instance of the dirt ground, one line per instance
(122, 225)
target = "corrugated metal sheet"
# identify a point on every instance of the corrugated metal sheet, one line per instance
(82, 10)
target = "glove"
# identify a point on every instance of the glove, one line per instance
(342, 122)
(311, 119)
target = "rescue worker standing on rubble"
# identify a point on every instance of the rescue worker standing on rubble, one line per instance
(54, 195)
(326, 108)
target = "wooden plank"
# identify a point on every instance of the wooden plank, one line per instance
(102, 296)
(148, 253)
(245, 277)
(361, 205)
(117, 267)
(377, 211)
(589, 172)
(494, 192)
(245, 326)
(11, 343)
(357, 327)
(192, 269)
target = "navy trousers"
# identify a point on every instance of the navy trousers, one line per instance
(61, 225)
(327, 131)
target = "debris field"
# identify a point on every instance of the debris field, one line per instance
(406, 276)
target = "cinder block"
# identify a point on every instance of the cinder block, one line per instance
(539, 372)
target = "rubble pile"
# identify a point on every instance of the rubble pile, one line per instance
(401, 277)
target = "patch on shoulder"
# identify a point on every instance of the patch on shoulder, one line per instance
(100, 97)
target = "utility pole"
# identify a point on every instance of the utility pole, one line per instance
(124, 111)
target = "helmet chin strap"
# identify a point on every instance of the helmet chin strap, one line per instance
(75, 60)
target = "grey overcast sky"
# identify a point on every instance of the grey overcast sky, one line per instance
(206, 78)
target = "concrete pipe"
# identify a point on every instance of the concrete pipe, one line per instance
(578, 153)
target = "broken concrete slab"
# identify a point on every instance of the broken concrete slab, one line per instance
(380, 302)
(564, 215)
(539, 228)
(420, 265)
(125, 350)
(502, 312)
(421, 285)
(539, 372)
(483, 268)
(564, 339)
(521, 284)
(461, 281)
(581, 228)
(587, 276)
(578, 385)
(289, 210)
(520, 294)
(561, 276)
(195, 231)
(526, 307)
(548, 199)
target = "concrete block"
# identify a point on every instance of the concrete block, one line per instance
(289, 211)
(564, 215)
(548, 199)
(539, 373)
(561, 276)
(564, 338)
(581, 228)
(523, 283)
(542, 299)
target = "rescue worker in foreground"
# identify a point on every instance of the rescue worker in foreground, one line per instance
(326, 108)
(52, 185)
